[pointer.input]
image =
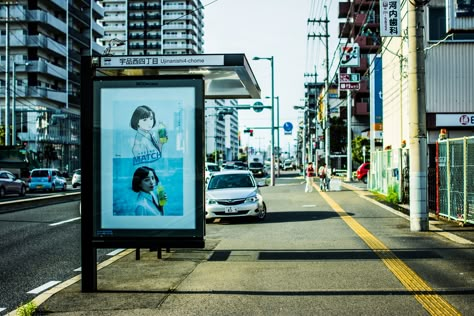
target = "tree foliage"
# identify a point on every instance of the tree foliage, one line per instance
(357, 149)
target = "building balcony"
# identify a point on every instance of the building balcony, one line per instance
(153, 6)
(136, 16)
(120, 8)
(363, 4)
(367, 45)
(47, 19)
(79, 38)
(364, 86)
(345, 29)
(136, 6)
(153, 36)
(78, 15)
(361, 108)
(98, 9)
(363, 65)
(344, 9)
(367, 20)
(97, 29)
(44, 42)
(136, 26)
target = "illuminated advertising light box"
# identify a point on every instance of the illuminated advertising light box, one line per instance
(147, 158)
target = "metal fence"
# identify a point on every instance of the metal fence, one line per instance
(454, 175)
(389, 173)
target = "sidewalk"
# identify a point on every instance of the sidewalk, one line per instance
(170, 286)
(448, 228)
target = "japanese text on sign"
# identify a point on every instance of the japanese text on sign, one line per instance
(390, 18)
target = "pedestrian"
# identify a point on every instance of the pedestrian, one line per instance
(323, 175)
(309, 178)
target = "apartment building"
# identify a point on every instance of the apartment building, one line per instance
(221, 130)
(155, 27)
(43, 42)
(359, 24)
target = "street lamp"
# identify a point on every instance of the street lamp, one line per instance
(272, 151)
(278, 130)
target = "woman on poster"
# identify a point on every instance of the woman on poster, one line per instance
(151, 197)
(146, 147)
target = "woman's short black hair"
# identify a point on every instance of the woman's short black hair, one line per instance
(140, 113)
(140, 174)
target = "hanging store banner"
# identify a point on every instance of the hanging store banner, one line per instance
(390, 24)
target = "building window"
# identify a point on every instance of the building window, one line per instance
(437, 23)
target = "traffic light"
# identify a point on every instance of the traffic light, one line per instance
(250, 131)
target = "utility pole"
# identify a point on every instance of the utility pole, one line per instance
(327, 134)
(417, 119)
(310, 138)
(7, 75)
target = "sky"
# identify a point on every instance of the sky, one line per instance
(266, 28)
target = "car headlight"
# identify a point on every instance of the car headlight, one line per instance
(211, 201)
(251, 199)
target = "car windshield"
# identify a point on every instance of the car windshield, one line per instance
(230, 181)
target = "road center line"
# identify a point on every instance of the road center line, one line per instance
(64, 222)
(43, 287)
(424, 294)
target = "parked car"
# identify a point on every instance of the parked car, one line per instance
(76, 178)
(234, 193)
(46, 179)
(362, 171)
(210, 168)
(10, 184)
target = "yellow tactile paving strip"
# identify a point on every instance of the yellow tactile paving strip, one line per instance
(432, 302)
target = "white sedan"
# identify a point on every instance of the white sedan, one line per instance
(234, 193)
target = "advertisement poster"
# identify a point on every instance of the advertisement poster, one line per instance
(147, 153)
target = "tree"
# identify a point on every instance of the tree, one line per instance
(338, 135)
(357, 148)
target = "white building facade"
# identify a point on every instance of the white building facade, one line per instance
(449, 73)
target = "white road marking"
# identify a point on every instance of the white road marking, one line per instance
(309, 205)
(115, 252)
(2, 309)
(44, 287)
(78, 269)
(64, 222)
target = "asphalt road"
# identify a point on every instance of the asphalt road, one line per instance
(316, 253)
(39, 247)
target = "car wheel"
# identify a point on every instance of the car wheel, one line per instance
(364, 179)
(53, 188)
(74, 185)
(262, 213)
(2, 192)
(22, 191)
